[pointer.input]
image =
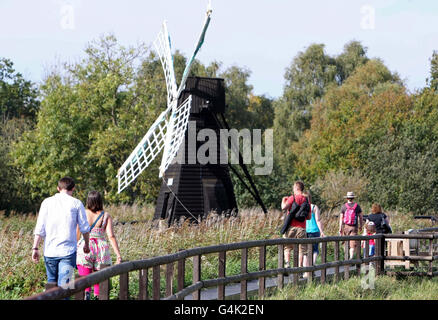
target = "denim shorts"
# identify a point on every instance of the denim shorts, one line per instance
(315, 246)
(60, 270)
(372, 250)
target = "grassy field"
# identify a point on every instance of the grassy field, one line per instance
(385, 288)
(19, 277)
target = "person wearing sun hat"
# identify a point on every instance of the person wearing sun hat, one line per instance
(350, 220)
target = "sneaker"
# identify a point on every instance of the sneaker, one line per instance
(87, 296)
(287, 265)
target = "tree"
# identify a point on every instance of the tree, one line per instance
(18, 107)
(14, 191)
(433, 81)
(350, 118)
(403, 170)
(308, 78)
(237, 95)
(90, 120)
(18, 96)
(262, 112)
(353, 56)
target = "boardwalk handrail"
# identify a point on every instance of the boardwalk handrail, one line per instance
(155, 262)
(428, 230)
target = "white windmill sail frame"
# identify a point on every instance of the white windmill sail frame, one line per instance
(145, 152)
(178, 122)
(164, 49)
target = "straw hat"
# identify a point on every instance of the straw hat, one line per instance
(350, 195)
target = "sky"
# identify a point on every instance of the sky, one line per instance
(261, 35)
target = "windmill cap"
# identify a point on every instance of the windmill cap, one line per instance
(350, 195)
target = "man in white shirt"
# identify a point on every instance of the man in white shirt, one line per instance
(58, 218)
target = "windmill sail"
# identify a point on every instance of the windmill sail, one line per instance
(145, 152)
(163, 46)
(176, 129)
(197, 48)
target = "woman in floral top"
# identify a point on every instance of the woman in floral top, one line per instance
(101, 223)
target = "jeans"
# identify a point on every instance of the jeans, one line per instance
(61, 270)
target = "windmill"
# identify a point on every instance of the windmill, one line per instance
(190, 189)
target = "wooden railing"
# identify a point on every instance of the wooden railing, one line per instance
(422, 248)
(179, 259)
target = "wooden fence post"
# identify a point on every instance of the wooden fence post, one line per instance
(337, 258)
(222, 273)
(156, 282)
(169, 278)
(143, 284)
(323, 261)
(243, 270)
(81, 294)
(358, 255)
(295, 276)
(346, 257)
(124, 286)
(417, 251)
(366, 250)
(380, 250)
(181, 273)
(431, 256)
(280, 277)
(262, 266)
(382, 254)
(196, 275)
(104, 288)
(310, 262)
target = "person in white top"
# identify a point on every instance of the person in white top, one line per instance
(58, 218)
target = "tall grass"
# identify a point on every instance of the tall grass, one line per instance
(385, 288)
(19, 277)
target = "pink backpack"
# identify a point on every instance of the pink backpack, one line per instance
(350, 215)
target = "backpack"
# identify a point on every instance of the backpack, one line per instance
(350, 215)
(385, 227)
(302, 213)
(296, 212)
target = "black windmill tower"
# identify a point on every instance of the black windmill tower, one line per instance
(190, 189)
